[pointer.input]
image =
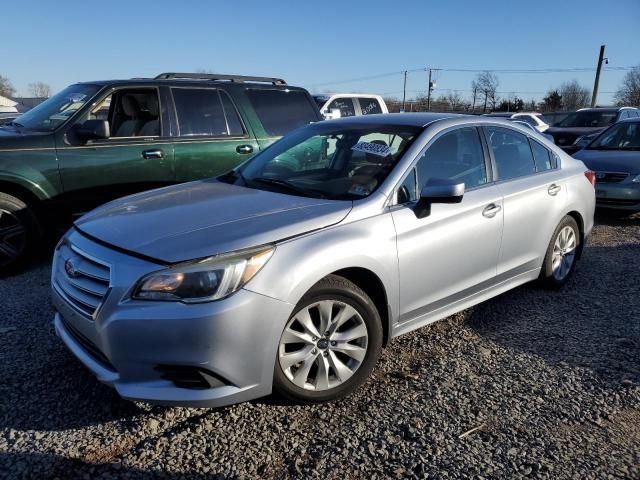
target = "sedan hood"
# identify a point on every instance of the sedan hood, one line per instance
(610, 160)
(205, 218)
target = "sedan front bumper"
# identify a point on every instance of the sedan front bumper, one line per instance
(620, 196)
(153, 351)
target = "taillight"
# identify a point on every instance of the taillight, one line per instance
(591, 176)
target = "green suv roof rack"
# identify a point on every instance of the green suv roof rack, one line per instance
(216, 76)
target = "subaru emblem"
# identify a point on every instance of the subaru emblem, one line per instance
(70, 268)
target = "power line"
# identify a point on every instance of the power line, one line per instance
(473, 70)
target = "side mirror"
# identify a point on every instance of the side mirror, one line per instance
(92, 130)
(438, 190)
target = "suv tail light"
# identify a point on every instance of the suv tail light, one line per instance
(591, 176)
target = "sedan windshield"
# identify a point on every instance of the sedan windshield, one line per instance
(328, 160)
(621, 136)
(58, 109)
(588, 119)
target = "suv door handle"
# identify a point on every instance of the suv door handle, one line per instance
(244, 149)
(491, 210)
(553, 189)
(152, 154)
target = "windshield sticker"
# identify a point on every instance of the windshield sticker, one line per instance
(77, 97)
(372, 148)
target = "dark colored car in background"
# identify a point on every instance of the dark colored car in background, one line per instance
(97, 141)
(615, 157)
(585, 122)
(554, 118)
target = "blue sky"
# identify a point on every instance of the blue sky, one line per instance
(314, 44)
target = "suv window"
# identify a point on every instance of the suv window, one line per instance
(542, 157)
(511, 152)
(456, 155)
(199, 112)
(526, 118)
(130, 113)
(233, 119)
(345, 105)
(369, 106)
(281, 111)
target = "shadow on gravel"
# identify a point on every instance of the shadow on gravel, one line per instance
(593, 322)
(34, 465)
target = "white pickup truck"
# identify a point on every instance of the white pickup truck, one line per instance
(337, 105)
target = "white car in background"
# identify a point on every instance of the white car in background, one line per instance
(532, 118)
(338, 105)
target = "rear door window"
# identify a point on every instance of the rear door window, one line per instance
(199, 112)
(233, 119)
(281, 111)
(511, 152)
(369, 106)
(542, 157)
(345, 105)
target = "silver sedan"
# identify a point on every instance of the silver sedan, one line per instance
(294, 270)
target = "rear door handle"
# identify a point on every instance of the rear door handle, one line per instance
(152, 154)
(491, 210)
(553, 189)
(244, 149)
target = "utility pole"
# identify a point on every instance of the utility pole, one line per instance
(429, 92)
(404, 90)
(596, 84)
(473, 105)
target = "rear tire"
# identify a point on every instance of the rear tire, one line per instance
(562, 254)
(332, 357)
(20, 233)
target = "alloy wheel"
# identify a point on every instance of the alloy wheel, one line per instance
(323, 345)
(564, 252)
(13, 237)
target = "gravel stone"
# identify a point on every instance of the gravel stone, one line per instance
(544, 384)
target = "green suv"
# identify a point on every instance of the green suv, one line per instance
(97, 141)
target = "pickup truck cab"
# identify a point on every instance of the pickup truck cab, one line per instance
(97, 141)
(338, 105)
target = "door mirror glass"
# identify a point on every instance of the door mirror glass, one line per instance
(92, 130)
(438, 190)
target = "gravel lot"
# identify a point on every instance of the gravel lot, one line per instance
(550, 381)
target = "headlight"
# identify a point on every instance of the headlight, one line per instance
(203, 280)
(636, 179)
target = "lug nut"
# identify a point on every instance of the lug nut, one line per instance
(326, 354)
(334, 343)
(315, 338)
(314, 351)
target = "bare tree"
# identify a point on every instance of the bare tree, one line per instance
(486, 86)
(574, 95)
(455, 101)
(39, 89)
(629, 92)
(6, 87)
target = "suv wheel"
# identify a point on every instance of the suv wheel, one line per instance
(562, 254)
(19, 231)
(330, 344)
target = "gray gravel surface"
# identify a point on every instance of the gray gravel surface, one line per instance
(548, 383)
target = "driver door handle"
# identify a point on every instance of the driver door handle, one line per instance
(491, 210)
(553, 189)
(244, 149)
(152, 154)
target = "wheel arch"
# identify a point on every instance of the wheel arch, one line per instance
(372, 285)
(580, 221)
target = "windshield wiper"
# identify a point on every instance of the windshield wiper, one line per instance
(288, 185)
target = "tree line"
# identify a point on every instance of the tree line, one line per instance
(36, 89)
(570, 95)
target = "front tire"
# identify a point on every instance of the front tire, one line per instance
(562, 254)
(329, 345)
(19, 233)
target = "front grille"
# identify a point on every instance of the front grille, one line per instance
(88, 346)
(610, 177)
(82, 280)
